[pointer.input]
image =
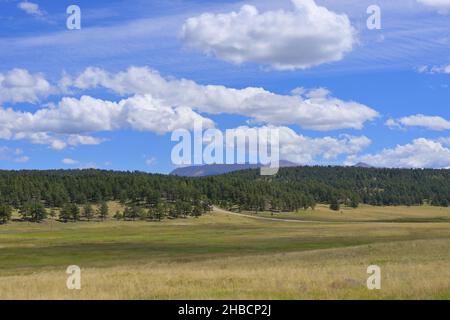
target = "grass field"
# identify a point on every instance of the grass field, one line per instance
(229, 257)
(365, 213)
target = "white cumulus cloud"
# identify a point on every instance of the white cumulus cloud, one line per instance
(76, 139)
(306, 150)
(156, 104)
(18, 85)
(419, 120)
(66, 123)
(421, 153)
(307, 36)
(69, 161)
(314, 109)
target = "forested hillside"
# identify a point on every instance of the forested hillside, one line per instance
(348, 185)
(158, 195)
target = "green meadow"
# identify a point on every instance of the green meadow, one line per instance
(225, 256)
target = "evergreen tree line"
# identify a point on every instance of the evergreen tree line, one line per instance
(346, 185)
(36, 194)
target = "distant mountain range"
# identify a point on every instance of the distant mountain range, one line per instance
(362, 165)
(217, 169)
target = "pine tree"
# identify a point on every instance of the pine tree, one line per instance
(65, 213)
(88, 212)
(157, 212)
(197, 211)
(335, 205)
(33, 211)
(25, 211)
(103, 211)
(354, 201)
(74, 212)
(5, 213)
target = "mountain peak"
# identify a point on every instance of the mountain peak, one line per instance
(362, 165)
(218, 169)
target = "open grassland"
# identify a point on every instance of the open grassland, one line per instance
(365, 213)
(229, 257)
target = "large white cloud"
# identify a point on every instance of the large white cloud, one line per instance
(309, 35)
(18, 85)
(155, 104)
(316, 109)
(421, 153)
(65, 123)
(306, 150)
(419, 120)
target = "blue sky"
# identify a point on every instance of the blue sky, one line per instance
(391, 86)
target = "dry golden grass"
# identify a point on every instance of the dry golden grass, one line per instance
(368, 213)
(416, 269)
(220, 256)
